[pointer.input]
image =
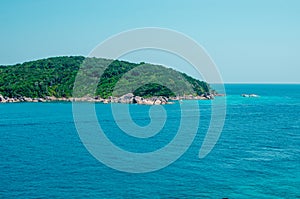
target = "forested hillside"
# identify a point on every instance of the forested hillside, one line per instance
(55, 77)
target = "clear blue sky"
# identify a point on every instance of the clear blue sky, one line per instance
(250, 41)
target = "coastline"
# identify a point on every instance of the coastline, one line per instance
(128, 98)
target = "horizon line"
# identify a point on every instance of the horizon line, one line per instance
(258, 83)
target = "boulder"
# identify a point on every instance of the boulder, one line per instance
(148, 102)
(88, 99)
(41, 100)
(28, 99)
(209, 96)
(16, 100)
(157, 102)
(21, 99)
(165, 99)
(51, 98)
(2, 99)
(137, 100)
(127, 98)
(105, 101)
(253, 95)
(114, 100)
(99, 99)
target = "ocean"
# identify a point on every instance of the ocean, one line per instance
(256, 156)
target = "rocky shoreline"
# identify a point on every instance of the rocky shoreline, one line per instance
(128, 98)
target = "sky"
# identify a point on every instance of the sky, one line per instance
(250, 41)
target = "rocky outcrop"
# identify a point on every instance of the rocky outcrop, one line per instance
(2, 99)
(151, 101)
(205, 96)
(128, 98)
(250, 95)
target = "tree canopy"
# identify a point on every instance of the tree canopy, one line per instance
(56, 76)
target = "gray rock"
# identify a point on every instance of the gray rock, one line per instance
(148, 102)
(2, 99)
(157, 102)
(138, 100)
(41, 100)
(48, 98)
(28, 99)
(127, 98)
(105, 101)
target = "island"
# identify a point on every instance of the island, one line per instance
(52, 79)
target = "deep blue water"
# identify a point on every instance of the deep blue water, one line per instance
(257, 155)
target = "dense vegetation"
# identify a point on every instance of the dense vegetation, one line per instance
(55, 77)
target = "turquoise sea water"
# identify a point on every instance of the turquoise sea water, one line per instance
(257, 155)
